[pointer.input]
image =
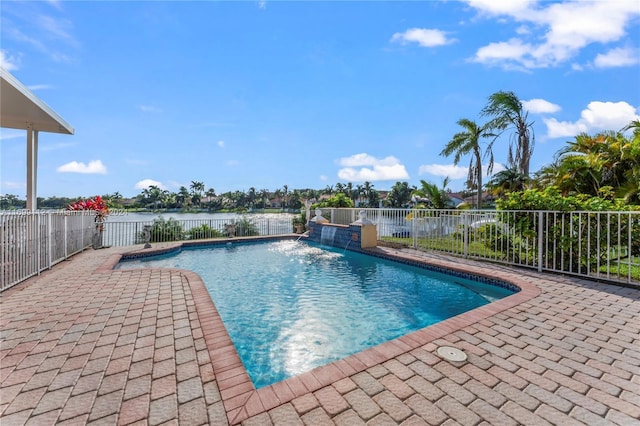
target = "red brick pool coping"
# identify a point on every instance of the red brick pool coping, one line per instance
(240, 397)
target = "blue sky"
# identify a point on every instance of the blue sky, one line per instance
(262, 94)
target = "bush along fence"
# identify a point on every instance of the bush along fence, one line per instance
(599, 245)
(170, 229)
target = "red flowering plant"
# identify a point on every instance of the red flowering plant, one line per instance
(96, 204)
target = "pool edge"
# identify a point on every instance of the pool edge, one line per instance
(240, 397)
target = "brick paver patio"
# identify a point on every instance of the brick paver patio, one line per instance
(82, 344)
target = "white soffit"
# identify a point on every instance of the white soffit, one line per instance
(20, 108)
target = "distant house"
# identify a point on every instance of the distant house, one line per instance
(455, 198)
(276, 203)
(488, 200)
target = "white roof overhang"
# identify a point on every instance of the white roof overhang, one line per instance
(21, 109)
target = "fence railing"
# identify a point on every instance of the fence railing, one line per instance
(601, 245)
(129, 233)
(31, 242)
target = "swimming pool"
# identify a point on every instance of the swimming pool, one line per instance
(292, 306)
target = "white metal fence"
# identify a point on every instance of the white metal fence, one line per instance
(601, 245)
(128, 233)
(31, 242)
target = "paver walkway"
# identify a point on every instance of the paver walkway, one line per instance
(81, 344)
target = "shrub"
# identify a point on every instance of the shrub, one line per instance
(576, 237)
(245, 227)
(164, 230)
(202, 232)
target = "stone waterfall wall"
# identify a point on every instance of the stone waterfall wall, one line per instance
(346, 236)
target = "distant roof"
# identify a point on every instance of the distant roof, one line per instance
(20, 108)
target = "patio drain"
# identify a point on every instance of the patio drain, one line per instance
(452, 354)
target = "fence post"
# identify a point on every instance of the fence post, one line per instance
(465, 235)
(413, 230)
(540, 240)
(39, 242)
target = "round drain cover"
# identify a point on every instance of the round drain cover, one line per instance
(452, 354)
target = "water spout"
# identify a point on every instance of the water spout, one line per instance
(346, 247)
(302, 235)
(327, 235)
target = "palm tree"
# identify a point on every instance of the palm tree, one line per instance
(251, 196)
(368, 193)
(437, 197)
(508, 180)
(264, 196)
(183, 198)
(196, 191)
(211, 195)
(400, 194)
(468, 142)
(285, 196)
(507, 110)
(589, 164)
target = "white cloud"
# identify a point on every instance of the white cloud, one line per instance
(9, 63)
(220, 144)
(558, 31)
(94, 167)
(149, 108)
(11, 135)
(444, 170)
(453, 171)
(233, 163)
(618, 57)
(146, 183)
(540, 106)
(58, 29)
(57, 146)
(423, 36)
(597, 116)
(510, 54)
(13, 185)
(354, 169)
(35, 87)
(492, 7)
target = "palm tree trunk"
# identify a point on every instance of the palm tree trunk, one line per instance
(479, 178)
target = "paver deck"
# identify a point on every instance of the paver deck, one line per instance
(83, 344)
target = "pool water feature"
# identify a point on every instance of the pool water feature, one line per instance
(328, 235)
(290, 306)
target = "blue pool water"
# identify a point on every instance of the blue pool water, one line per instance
(292, 306)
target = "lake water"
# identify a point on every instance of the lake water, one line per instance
(150, 216)
(123, 229)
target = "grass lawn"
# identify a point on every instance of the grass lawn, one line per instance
(622, 268)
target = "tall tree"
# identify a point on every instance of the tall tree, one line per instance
(264, 196)
(468, 142)
(437, 197)
(197, 188)
(400, 195)
(507, 180)
(183, 198)
(507, 112)
(251, 197)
